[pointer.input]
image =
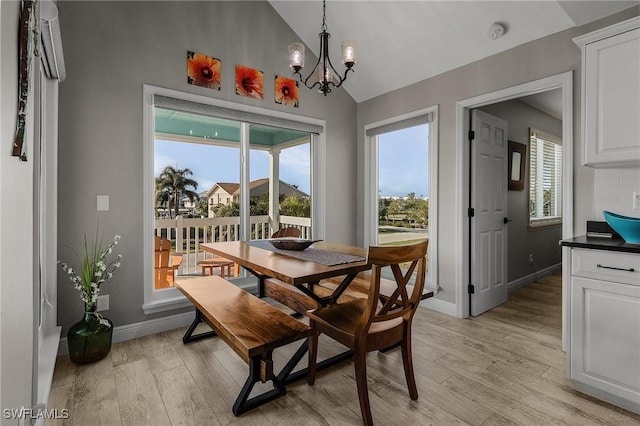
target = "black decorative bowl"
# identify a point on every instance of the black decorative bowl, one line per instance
(291, 243)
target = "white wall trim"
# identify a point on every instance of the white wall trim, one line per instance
(439, 306)
(563, 81)
(533, 277)
(140, 329)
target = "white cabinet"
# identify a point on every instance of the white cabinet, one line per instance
(605, 325)
(611, 95)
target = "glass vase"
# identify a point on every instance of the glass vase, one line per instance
(89, 339)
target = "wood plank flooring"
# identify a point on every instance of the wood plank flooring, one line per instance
(505, 367)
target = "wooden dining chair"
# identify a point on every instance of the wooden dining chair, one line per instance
(375, 322)
(289, 231)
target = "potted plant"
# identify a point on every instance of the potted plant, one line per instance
(89, 340)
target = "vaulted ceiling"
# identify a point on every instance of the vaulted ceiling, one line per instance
(403, 42)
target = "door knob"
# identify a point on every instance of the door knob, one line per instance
(506, 220)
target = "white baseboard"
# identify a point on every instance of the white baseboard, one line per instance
(140, 329)
(439, 306)
(145, 328)
(528, 279)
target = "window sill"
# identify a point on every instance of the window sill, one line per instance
(166, 305)
(544, 223)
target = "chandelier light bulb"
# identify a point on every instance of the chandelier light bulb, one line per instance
(349, 53)
(296, 56)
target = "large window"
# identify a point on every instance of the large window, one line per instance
(545, 179)
(401, 183)
(217, 171)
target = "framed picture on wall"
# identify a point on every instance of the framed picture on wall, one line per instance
(517, 161)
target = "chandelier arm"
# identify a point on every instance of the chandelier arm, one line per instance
(342, 80)
(304, 81)
(313, 72)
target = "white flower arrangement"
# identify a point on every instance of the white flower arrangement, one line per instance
(96, 269)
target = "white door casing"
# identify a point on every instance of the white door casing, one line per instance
(489, 204)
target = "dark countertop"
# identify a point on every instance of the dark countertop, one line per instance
(610, 244)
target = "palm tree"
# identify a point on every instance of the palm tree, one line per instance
(172, 185)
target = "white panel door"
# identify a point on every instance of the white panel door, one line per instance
(489, 204)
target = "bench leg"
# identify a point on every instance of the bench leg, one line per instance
(189, 337)
(243, 403)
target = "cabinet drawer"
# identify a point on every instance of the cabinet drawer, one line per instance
(606, 265)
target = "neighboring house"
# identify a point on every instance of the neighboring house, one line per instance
(191, 206)
(226, 193)
(221, 193)
(186, 207)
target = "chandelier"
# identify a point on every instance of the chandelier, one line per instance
(325, 73)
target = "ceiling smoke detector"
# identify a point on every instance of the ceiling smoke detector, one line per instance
(496, 31)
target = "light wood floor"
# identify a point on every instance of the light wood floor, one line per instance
(504, 367)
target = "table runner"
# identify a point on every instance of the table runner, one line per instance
(324, 257)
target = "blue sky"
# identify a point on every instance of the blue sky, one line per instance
(403, 167)
(404, 162)
(212, 164)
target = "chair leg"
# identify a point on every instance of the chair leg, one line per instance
(360, 362)
(407, 361)
(313, 353)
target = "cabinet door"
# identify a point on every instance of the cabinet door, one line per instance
(605, 337)
(612, 100)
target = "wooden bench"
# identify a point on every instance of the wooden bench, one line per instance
(250, 326)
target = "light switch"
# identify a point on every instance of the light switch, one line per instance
(103, 203)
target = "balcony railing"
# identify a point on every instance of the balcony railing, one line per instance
(186, 235)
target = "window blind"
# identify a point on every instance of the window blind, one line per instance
(545, 178)
(400, 125)
(233, 114)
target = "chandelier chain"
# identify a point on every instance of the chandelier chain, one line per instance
(324, 15)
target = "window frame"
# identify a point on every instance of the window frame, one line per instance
(371, 182)
(545, 221)
(155, 301)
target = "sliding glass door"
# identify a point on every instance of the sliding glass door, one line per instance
(199, 194)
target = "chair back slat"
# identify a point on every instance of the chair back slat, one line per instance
(400, 303)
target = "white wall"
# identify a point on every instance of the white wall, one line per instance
(16, 232)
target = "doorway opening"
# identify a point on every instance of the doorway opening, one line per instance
(564, 82)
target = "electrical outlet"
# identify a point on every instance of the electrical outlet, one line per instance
(103, 303)
(636, 200)
(530, 258)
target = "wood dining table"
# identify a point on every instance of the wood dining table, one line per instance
(300, 269)
(264, 261)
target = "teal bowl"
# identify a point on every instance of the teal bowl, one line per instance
(627, 227)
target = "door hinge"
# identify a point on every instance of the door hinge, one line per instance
(471, 288)
(471, 212)
(472, 135)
